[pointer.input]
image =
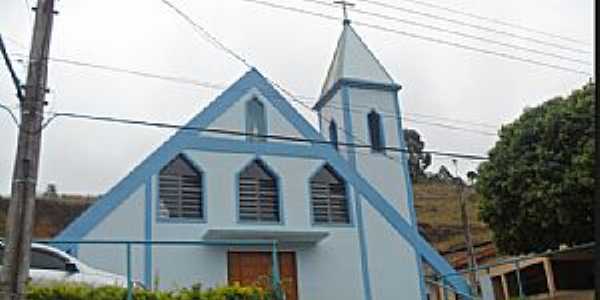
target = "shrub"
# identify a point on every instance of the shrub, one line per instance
(74, 291)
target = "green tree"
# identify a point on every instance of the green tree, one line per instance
(538, 184)
(417, 160)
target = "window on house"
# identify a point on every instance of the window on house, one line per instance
(258, 194)
(256, 122)
(328, 198)
(375, 131)
(180, 191)
(333, 137)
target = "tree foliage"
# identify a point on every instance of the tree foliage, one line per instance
(538, 184)
(417, 160)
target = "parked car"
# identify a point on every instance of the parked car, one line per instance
(49, 264)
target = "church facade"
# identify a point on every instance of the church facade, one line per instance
(343, 216)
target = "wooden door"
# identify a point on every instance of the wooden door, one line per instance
(254, 268)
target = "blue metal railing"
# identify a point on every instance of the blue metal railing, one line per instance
(273, 244)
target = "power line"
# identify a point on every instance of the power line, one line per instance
(462, 34)
(471, 25)
(11, 113)
(217, 86)
(238, 57)
(247, 134)
(426, 38)
(206, 35)
(496, 21)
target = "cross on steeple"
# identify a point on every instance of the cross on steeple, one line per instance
(345, 4)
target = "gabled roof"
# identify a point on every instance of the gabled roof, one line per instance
(353, 60)
(185, 140)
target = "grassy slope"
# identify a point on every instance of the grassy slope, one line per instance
(438, 215)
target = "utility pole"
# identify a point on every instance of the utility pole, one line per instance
(19, 224)
(472, 263)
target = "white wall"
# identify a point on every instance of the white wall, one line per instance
(235, 119)
(328, 270)
(126, 222)
(384, 172)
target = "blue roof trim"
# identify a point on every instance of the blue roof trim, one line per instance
(183, 140)
(152, 164)
(355, 83)
(389, 213)
(362, 243)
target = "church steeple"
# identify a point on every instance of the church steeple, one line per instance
(354, 61)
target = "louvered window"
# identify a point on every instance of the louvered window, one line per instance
(376, 131)
(180, 191)
(328, 198)
(258, 195)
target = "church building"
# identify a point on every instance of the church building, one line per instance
(343, 217)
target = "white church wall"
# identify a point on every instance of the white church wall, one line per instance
(384, 173)
(333, 111)
(392, 261)
(126, 222)
(235, 119)
(328, 268)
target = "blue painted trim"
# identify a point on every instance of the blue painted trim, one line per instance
(163, 220)
(351, 152)
(278, 184)
(348, 200)
(183, 140)
(391, 215)
(354, 83)
(409, 192)
(148, 234)
(154, 162)
(204, 219)
(405, 167)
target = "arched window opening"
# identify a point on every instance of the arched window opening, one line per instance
(328, 197)
(375, 131)
(258, 194)
(256, 122)
(333, 135)
(180, 190)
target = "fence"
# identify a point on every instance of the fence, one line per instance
(562, 274)
(127, 244)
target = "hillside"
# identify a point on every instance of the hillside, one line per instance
(438, 215)
(436, 204)
(51, 215)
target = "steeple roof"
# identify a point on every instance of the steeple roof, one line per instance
(354, 60)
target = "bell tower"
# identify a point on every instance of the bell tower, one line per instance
(359, 104)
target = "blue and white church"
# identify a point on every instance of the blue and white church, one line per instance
(343, 217)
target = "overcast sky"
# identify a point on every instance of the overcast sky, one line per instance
(292, 49)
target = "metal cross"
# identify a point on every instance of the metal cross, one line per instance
(345, 4)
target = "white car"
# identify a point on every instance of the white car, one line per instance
(49, 264)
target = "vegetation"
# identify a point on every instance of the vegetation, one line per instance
(438, 215)
(538, 184)
(71, 291)
(418, 161)
(51, 214)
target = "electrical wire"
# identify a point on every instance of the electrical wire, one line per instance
(479, 27)
(11, 113)
(496, 21)
(425, 38)
(247, 134)
(459, 33)
(216, 86)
